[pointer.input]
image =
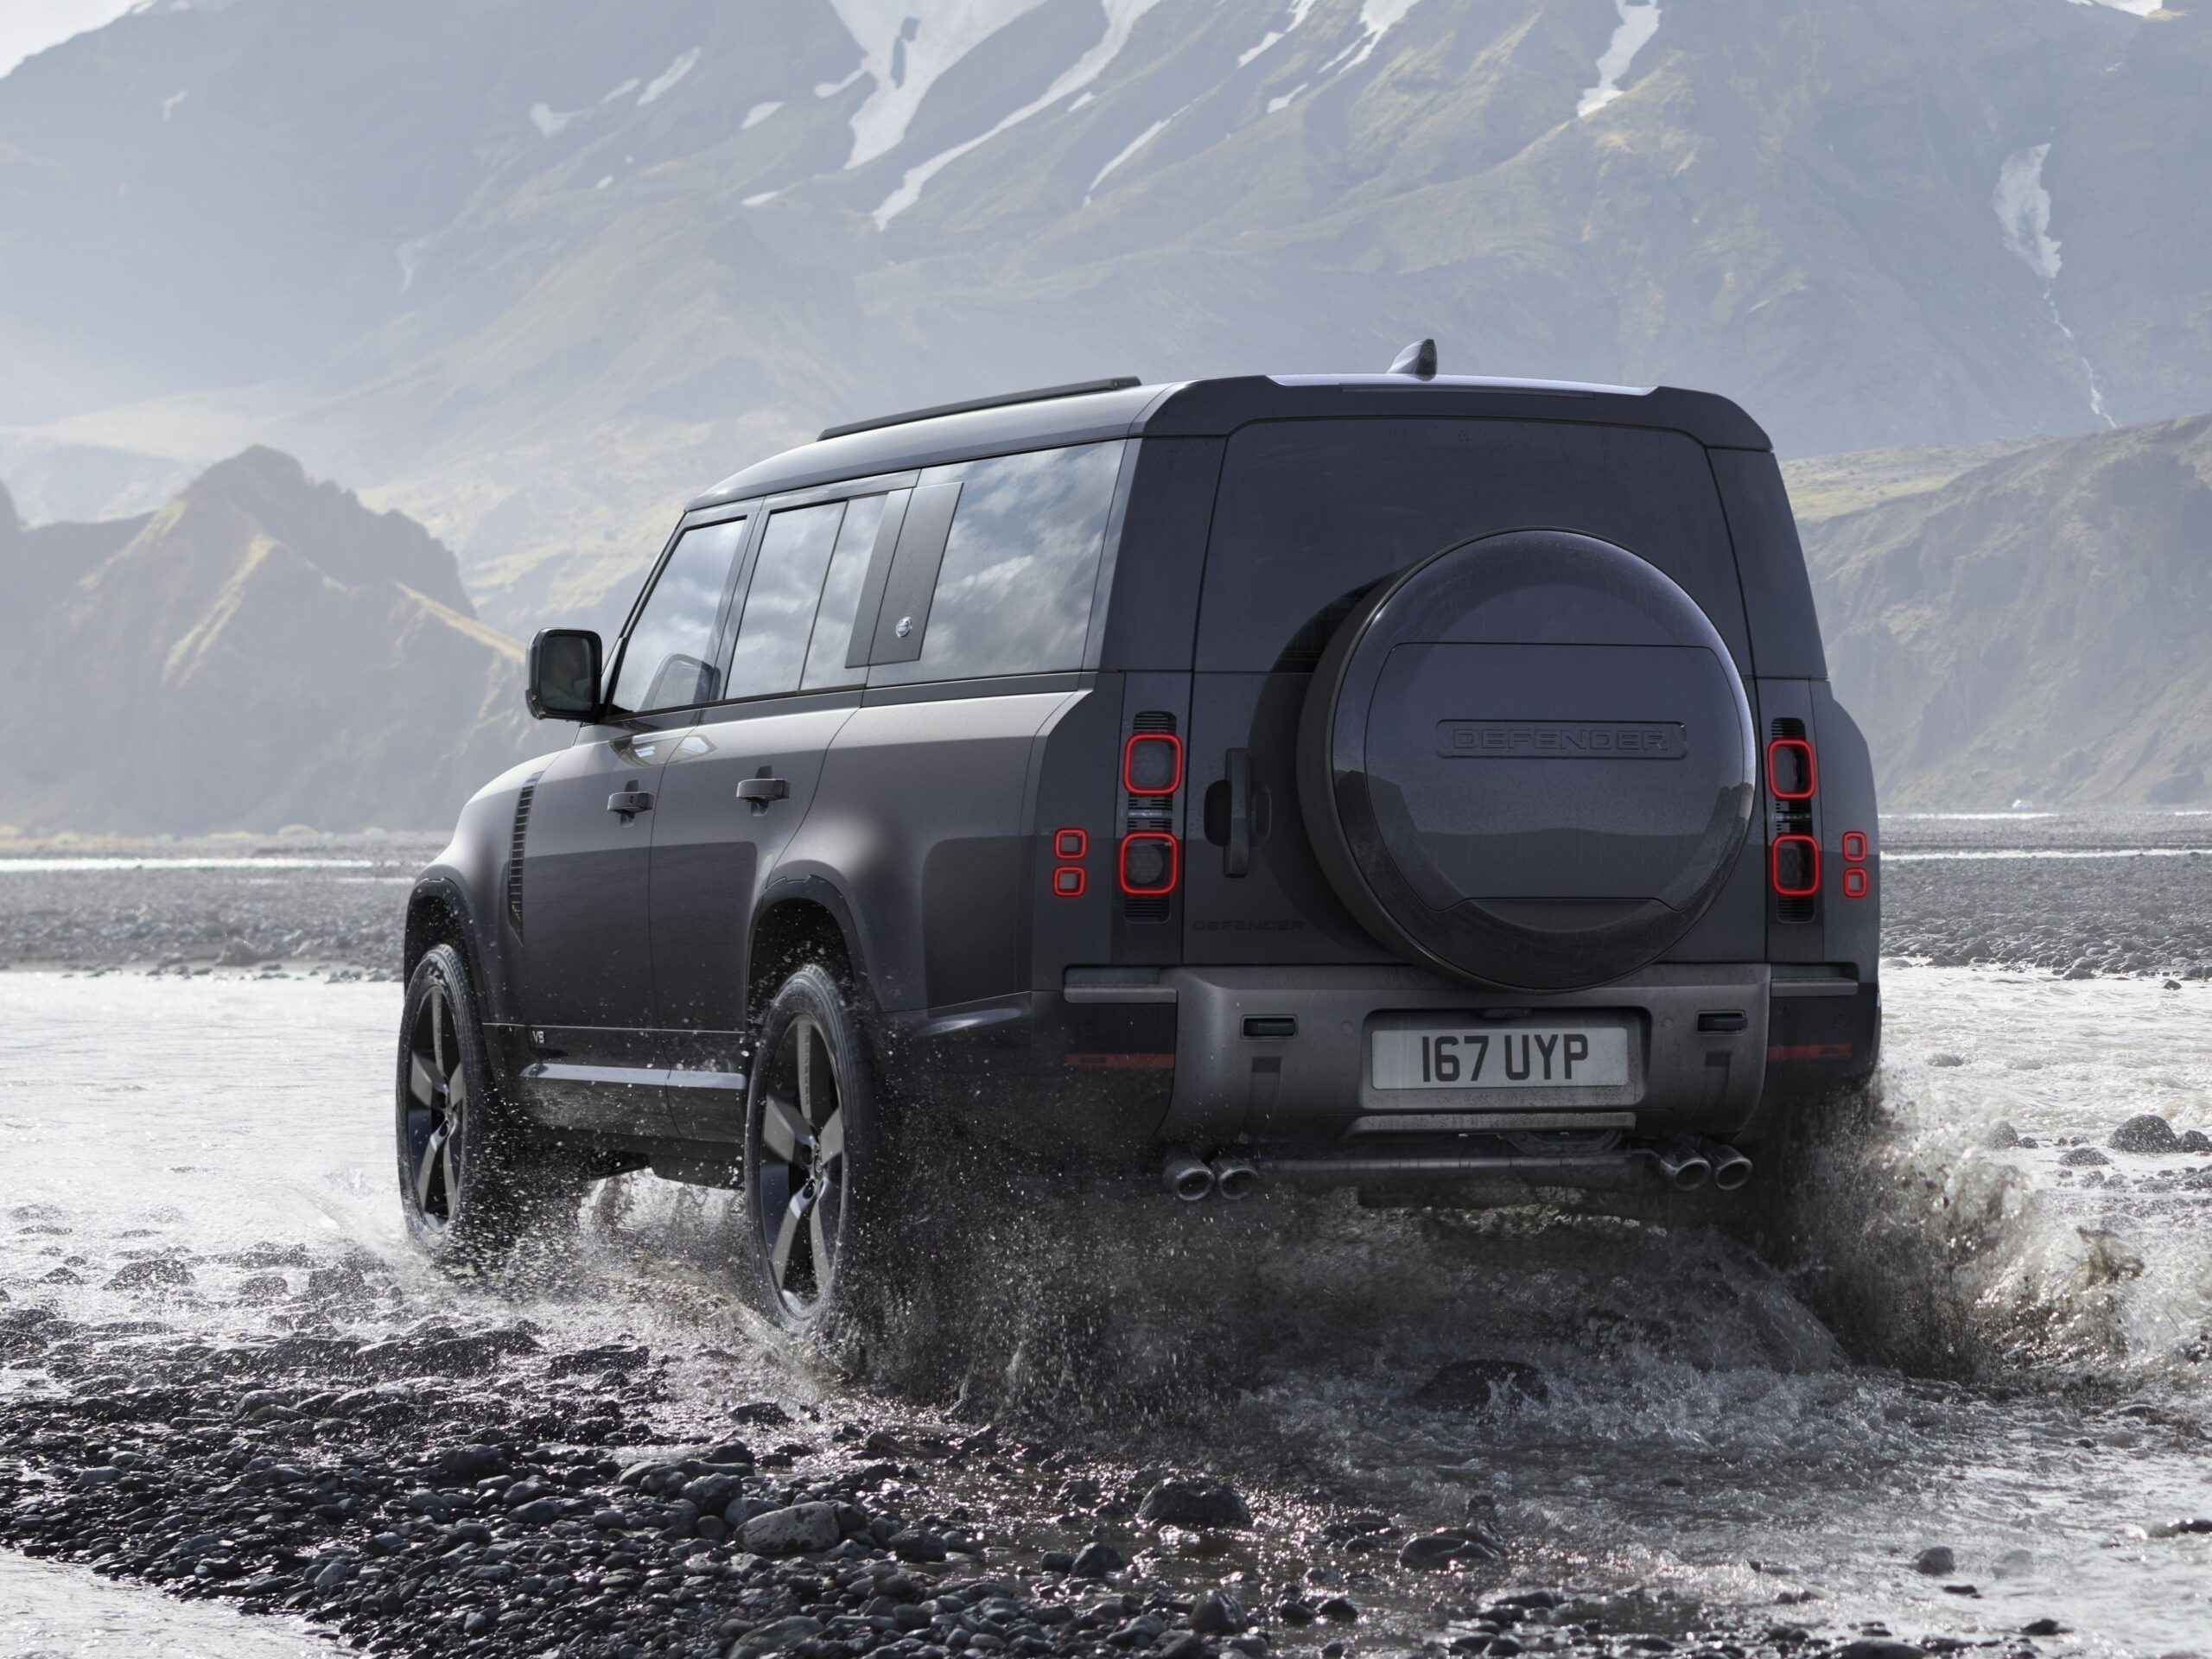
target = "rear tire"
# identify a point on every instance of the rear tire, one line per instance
(474, 1182)
(819, 1204)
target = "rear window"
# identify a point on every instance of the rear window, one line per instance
(1019, 568)
(1310, 514)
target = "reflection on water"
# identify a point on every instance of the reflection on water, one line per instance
(51, 1612)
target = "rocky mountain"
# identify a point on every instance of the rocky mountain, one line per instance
(2035, 627)
(534, 284)
(261, 651)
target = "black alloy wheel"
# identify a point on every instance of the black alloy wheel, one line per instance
(798, 1185)
(811, 1212)
(433, 1111)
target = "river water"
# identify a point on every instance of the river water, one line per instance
(1990, 1349)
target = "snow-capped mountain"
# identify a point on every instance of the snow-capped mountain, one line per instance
(533, 270)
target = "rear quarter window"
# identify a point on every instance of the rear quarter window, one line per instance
(1312, 513)
(1020, 567)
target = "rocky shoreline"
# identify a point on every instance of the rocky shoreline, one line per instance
(443, 1491)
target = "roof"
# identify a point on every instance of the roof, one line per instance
(1216, 408)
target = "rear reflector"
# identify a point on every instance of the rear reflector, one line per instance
(1789, 771)
(1795, 867)
(1068, 881)
(1149, 863)
(1070, 843)
(1854, 846)
(1854, 884)
(1152, 764)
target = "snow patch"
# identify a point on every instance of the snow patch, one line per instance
(623, 91)
(1128, 150)
(549, 120)
(1252, 52)
(831, 88)
(1638, 23)
(604, 183)
(667, 78)
(2139, 7)
(1122, 19)
(409, 256)
(890, 36)
(1087, 97)
(2022, 208)
(758, 113)
(169, 103)
(1377, 19)
(1284, 101)
(764, 197)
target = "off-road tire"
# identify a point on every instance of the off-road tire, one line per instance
(474, 1181)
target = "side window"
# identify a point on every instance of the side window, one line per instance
(666, 662)
(1020, 564)
(780, 603)
(828, 651)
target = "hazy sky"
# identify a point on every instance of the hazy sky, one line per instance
(29, 25)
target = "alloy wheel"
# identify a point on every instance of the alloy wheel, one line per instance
(799, 1184)
(437, 1106)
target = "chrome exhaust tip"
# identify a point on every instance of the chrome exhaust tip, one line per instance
(1685, 1167)
(1730, 1168)
(1185, 1175)
(1233, 1178)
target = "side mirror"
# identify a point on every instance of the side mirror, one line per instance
(561, 682)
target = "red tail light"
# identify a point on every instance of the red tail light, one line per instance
(1790, 769)
(1794, 867)
(1150, 863)
(1152, 764)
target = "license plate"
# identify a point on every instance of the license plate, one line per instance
(1515, 1056)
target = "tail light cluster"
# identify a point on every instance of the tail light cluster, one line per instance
(1793, 852)
(1793, 777)
(1149, 862)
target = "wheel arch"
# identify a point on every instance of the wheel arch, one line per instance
(438, 913)
(800, 919)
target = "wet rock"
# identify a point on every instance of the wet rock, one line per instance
(1216, 1614)
(1481, 1385)
(2146, 1132)
(1097, 1560)
(162, 1272)
(801, 1529)
(916, 1545)
(1946, 1061)
(1339, 1608)
(1935, 1561)
(2001, 1136)
(2195, 1140)
(237, 953)
(2180, 1528)
(2043, 1627)
(1432, 1552)
(761, 1414)
(2082, 1158)
(1880, 1647)
(1197, 1504)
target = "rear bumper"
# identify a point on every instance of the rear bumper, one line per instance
(1273, 1055)
(1274, 1059)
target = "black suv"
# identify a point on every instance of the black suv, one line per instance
(1428, 785)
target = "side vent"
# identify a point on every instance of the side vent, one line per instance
(514, 851)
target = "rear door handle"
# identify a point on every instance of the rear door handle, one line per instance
(1236, 857)
(626, 804)
(763, 789)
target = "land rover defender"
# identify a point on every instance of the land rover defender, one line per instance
(1422, 784)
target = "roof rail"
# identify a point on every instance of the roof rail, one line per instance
(1073, 388)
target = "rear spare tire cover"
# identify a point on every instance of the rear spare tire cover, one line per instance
(1528, 761)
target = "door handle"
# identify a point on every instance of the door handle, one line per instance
(626, 804)
(762, 788)
(1236, 857)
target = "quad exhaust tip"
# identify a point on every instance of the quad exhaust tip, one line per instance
(1730, 1168)
(1685, 1166)
(1233, 1178)
(1186, 1175)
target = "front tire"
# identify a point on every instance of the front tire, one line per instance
(471, 1183)
(815, 1210)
